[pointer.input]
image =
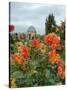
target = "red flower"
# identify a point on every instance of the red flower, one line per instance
(48, 39)
(24, 51)
(52, 39)
(61, 71)
(54, 46)
(11, 28)
(36, 43)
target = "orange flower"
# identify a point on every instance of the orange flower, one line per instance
(18, 59)
(36, 43)
(22, 62)
(61, 71)
(52, 39)
(24, 51)
(53, 57)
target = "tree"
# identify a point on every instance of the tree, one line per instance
(50, 24)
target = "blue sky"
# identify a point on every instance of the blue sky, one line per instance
(23, 15)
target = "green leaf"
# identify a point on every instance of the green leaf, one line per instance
(18, 74)
(63, 55)
(48, 73)
(51, 81)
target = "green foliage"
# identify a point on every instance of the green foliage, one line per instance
(37, 72)
(63, 55)
(13, 48)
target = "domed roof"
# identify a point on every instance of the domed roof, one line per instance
(31, 29)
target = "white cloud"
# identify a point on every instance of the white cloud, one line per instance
(21, 23)
(27, 14)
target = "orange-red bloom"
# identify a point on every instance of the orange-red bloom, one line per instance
(18, 59)
(52, 39)
(61, 71)
(24, 51)
(36, 43)
(53, 57)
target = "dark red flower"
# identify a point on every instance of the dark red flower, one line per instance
(11, 28)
